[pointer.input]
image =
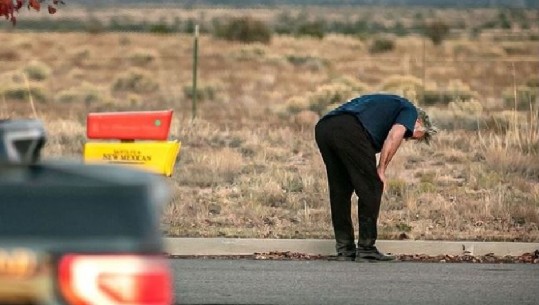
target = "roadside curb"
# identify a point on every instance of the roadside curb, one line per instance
(241, 246)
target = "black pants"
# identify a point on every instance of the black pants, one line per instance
(350, 161)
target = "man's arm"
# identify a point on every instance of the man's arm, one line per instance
(391, 144)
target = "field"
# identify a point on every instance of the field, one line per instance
(249, 166)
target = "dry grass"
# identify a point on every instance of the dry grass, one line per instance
(249, 166)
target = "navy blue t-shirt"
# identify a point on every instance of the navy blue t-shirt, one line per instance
(378, 113)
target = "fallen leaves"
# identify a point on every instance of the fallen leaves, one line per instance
(490, 258)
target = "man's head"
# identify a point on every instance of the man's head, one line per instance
(424, 129)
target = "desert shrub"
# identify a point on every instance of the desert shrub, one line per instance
(465, 115)
(444, 97)
(81, 56)
(21, 92)
(300, 25)
(405, 85)
(9, 55)
(37, 70)
(311, 62)
(498, 122)
(526, 97)
(397, 188)
(135, 81)
(325, 97)
(94, 26)
(533, 82)
(142, 57)
(253, 51)
(312, 28)
(161, 28)
(329, 95)
(456, 90)
(516, 48)
(436, 31)
(354, 84)
(86, 93)
(297, 104)
(244, 29)
(292, 182)
(471, 107)
(381, 45)
(204, 92)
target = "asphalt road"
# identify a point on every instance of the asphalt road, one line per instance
(209, 281)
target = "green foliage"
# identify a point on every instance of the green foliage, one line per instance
(427, 187)
(426, 177)
(142, 57)
(381, 45)
(437, 31)
(403, 227)
(205, 92)
(526, 97)
(533, 82)
(250, 52)
(464, 115)
(487, 179)
(22, 93)
(85, 94)
(312, 28)
(444, 97)
(499, 123)
(118, 24)
(396, 188)
(353, 27)
(37, 71)
(325, 97)
(405, 85)
(293, 184)
(455, 90)
(399, 29)
(504, 20)
(314, 63)
(516, 49)
(299, 25)
(328, 95)
(161, 28)
(94, 26)
(243, 29)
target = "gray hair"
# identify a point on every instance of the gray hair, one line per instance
(430, 129)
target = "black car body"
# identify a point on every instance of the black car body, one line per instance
(78, 234)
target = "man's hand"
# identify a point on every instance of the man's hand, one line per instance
(382, 176)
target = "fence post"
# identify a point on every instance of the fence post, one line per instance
(195, 68)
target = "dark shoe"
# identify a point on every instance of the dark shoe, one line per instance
(371, 254)
(340, 257)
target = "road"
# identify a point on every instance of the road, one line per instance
(211, 281)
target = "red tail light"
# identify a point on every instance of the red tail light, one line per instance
(115, 279)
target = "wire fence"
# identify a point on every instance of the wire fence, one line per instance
(251, 74)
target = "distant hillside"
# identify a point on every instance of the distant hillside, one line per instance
(243, 3)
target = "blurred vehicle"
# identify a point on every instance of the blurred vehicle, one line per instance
(77, 234)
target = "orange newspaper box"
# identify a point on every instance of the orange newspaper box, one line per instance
(154, 153)
(136, 125)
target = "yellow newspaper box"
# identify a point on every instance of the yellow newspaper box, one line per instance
(158, 157)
